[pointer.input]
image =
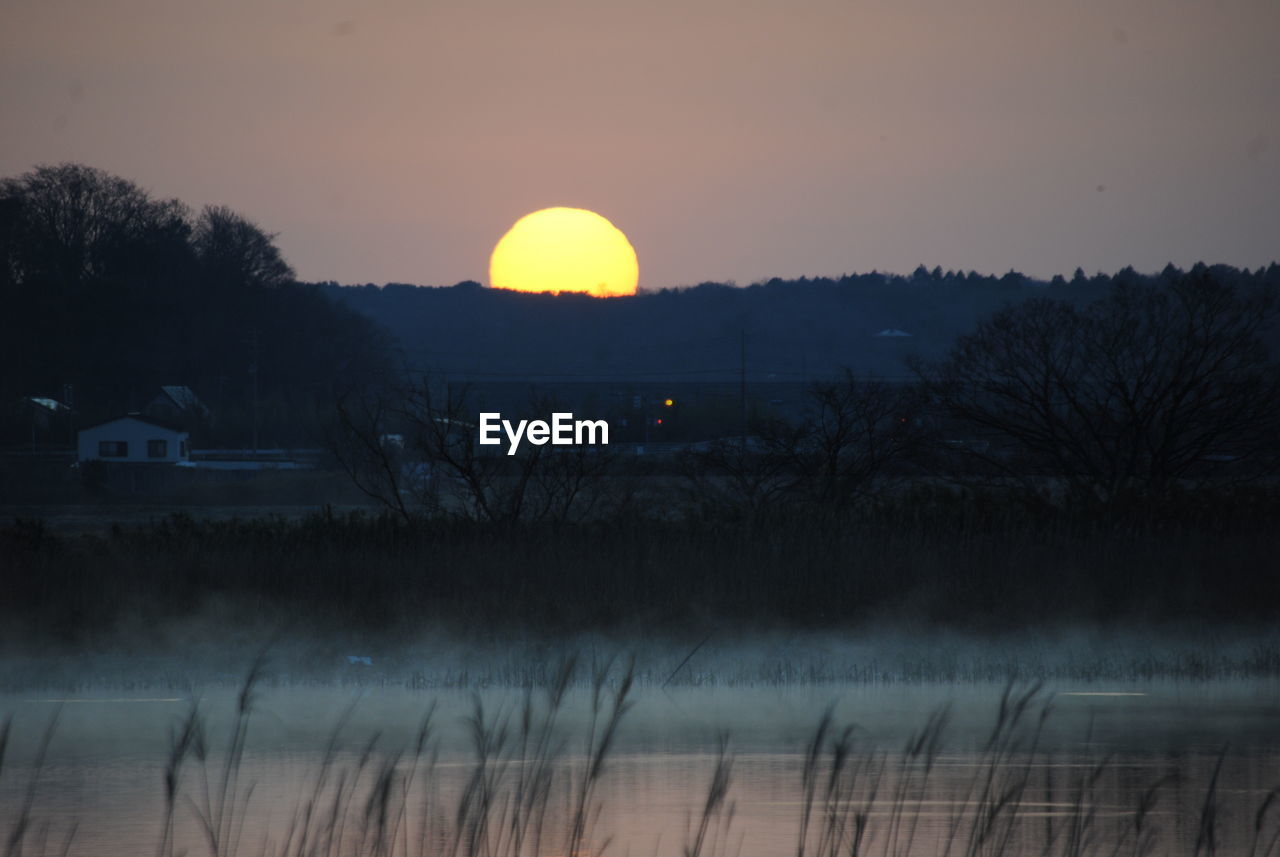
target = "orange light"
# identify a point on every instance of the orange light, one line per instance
(669, 402)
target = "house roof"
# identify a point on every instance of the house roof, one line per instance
(184, 397)
(142, 418)
(46, 403)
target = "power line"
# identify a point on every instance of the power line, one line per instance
(729, 374)
(633, 374)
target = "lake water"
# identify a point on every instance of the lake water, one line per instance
(1071, 783)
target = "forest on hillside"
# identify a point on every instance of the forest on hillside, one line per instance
(109, 293)
(791, 330)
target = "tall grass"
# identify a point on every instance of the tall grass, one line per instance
(532, 787)
(974, 563)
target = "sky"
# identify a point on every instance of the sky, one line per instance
(397, 140)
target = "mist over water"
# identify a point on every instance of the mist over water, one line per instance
(213, 646)
(1083, 754)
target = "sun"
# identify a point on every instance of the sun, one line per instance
(565, 250)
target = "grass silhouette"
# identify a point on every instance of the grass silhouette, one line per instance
(533, 787)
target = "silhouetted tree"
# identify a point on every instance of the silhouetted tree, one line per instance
(1140, 391)
(113, 293)
(237, 252)
(752, 475)
(416, 451)
(71, 223)
(855, 437)
(857, 433)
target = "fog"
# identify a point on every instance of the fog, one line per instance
(112, 723)
(213, 649)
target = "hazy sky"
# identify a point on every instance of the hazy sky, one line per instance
(398, 140)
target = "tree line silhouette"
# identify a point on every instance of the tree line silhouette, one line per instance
(1036, 460)
(108, 293)
(794, 329)
(1121, 406)
(1101, 388)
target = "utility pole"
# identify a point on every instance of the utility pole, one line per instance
(253, 373)
(742, 375)
(644, 414)
(69, 399)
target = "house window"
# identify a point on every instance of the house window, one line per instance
(157, 448)
(113, 449)
(182, 448)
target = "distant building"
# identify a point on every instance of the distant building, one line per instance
(176, 403)
(44, 411)
(893, 331)
(48, 423)
(134, 439)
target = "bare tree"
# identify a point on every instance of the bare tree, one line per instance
(370, 452)
(858, 433)
(415, 450)
(234, 250)
(751, 474)
(576, 483)
(1144, 389)
(72, 223)
(855, 435)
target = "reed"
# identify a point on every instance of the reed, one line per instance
(534, 787)
(976, 564)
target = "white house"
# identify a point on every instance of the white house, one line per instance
(134, 439)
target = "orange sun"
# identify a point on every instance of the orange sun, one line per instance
(565, 250)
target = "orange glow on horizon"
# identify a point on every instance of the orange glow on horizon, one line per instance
(565, 250)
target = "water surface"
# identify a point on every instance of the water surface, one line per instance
(1080, 780)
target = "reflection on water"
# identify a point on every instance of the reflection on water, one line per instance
(906, 770)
